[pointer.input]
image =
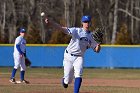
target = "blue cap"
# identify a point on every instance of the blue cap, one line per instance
(86, 18)
(22, 30)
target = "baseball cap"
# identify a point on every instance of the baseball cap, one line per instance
(86, 18)
(22, 30)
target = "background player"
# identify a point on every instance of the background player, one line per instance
(81, 40)
(19, 57)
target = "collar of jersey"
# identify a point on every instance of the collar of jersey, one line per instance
(21, 36)
(86, 31)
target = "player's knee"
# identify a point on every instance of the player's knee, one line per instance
(16, 67)
(78, 75)
(23, 68)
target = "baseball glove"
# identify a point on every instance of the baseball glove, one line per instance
(27, 62)
(98, 35)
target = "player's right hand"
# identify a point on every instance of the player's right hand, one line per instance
(21, 55)
(97, 48)
(47, 20)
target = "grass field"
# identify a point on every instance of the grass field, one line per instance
(48, 80)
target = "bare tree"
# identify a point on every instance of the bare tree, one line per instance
(110, 21)
(3, 20)
(110, 14)
(137, 22)
(67, 12)
(12, 21)
(134, 16)
(132, 21)
(115, 22)
(43, 33)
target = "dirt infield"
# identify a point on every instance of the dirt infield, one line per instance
(86, 82)
(45, 85)
(48, 80)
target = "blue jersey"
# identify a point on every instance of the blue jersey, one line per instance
(80, 41)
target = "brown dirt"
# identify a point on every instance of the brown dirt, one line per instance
(86, 82)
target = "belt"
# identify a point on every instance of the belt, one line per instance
(72, 54)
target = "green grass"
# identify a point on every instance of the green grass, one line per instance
(57, 73)
(112, 73)
(88, 73)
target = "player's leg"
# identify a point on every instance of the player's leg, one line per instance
(22, 68)
(22, 71)
(78, 70)
(68, 70)
(16, 65)
(12, 78)
(71, 76)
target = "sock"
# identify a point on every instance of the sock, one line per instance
(22, 75)
(13, 73)
(77, 84)
(62, 80)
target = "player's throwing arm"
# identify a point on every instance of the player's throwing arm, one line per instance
(56, 25)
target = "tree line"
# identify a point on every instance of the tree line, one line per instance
(119, 18)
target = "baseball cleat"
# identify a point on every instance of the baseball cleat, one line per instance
(64, 85)
(22, 81)
(25, 81)
(13, 81)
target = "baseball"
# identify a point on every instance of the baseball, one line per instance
(42, 14)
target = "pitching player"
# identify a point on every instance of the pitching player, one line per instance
(81, 40)
(19, 57)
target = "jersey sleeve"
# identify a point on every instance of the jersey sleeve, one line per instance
(17, 43)
(71, 31)
(93, 44)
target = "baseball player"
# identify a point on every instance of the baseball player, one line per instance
(81, 40)
(19, 57)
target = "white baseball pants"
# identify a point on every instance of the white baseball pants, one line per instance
(73, 66)
(19, 62)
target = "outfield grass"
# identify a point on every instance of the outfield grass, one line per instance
(57, 73)
(112, 73)
(88, 73)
